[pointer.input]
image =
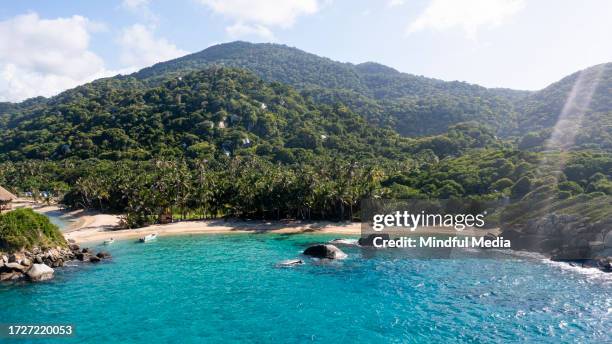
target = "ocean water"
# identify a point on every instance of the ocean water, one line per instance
(226, 288)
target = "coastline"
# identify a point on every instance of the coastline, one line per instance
(87, 227)
(97, 228)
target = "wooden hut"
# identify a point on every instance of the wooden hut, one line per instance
(5, 199)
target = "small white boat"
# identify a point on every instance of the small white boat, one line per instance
(109, 241)
(148, 237)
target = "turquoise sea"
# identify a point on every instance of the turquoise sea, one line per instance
(227, 288)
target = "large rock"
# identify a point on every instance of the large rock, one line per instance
(94, 259)
(605, 264)
(325, 251)
(15, 267)
(550, 244)
(16, 257)
(26, 262)
(369, 240)
(570, 254)
(57, 263)
(40, 272)
(103, 255)
(607, 239)
(10, 276)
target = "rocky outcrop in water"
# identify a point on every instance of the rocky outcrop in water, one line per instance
(103, 255)
(38, 264)
(325, 251)
(40, 272)
(369, 240)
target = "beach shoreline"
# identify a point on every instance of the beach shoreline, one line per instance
(91, 227)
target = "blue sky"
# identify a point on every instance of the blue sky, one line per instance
(49, 46)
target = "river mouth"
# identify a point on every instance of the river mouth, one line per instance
(223, 288)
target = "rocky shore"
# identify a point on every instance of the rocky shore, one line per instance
(581, 253)
(38, 264)
(565, 238)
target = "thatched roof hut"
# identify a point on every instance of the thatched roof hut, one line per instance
(6, 196)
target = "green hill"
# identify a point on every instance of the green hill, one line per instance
(415, 105)
(403, 99)
(271, 62)
(24, 229)
(578, 107)
(203, 114)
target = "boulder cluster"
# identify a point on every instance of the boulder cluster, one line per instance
(38, 264)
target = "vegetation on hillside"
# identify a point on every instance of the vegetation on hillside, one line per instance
(576, 112)
(203, 114)
(414, 105)
(25, 229)
(323, 188)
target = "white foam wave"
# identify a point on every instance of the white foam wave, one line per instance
(589, 272)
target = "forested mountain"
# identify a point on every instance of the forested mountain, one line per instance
(276, 62)
(199, 114)
(410, 104)
(415, 105)
(215, 111)
(271, 62)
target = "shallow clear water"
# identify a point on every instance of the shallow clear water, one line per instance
(226, 288)
(58, 218)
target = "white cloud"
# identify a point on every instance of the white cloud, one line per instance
(257, 16)
(46, 56)
(141, 48)
(394, 3)
(141, 8)
(241, 30)
(467, 15)
(135, 4)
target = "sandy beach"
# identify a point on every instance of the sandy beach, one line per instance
(94, 227)
(97, 228)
